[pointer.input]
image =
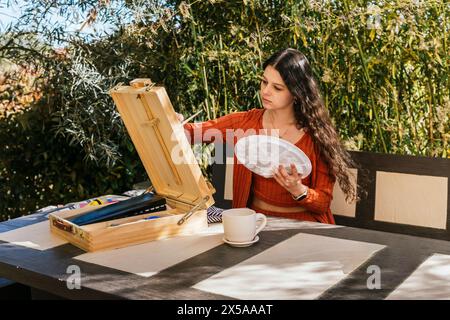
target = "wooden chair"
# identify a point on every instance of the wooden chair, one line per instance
(405, 194)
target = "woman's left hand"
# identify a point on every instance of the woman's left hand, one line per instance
(291, 182)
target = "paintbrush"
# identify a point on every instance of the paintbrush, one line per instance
(191, 117)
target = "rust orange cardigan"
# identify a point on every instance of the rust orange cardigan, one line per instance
(317, 203)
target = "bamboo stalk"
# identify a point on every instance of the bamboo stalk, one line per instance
(367, 77)
(224, 79)
(432, 106)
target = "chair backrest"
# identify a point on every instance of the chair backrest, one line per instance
(404, 194)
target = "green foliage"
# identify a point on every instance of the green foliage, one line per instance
(383, 69)
(39, 168)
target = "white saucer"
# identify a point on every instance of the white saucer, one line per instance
(241, 244)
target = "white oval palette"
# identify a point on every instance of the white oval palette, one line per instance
(262, 154)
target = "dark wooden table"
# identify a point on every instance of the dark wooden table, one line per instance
(46, 270)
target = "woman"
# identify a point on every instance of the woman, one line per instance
(293, 106)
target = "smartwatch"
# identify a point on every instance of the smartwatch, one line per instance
(301, 196)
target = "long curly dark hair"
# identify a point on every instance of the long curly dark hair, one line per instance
(311, 113)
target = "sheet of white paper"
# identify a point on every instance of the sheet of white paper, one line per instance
(36, 236)
(431, 280)
(301, 267)
(149, 258)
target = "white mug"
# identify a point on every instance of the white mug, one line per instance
(240, 225)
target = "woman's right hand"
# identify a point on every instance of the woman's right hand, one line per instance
(180, 117)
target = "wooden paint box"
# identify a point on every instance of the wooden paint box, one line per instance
(171, 166)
